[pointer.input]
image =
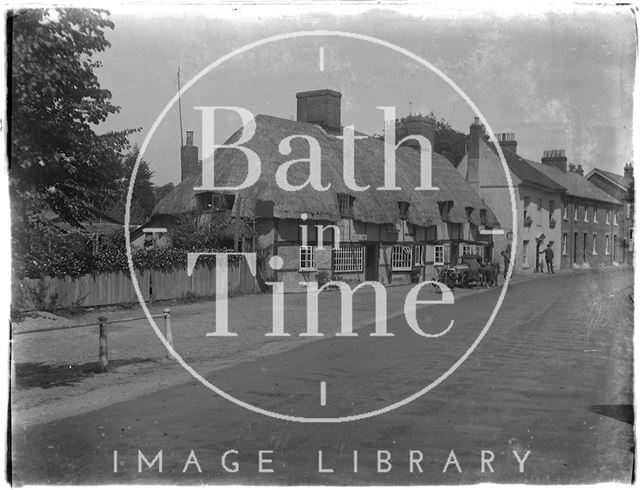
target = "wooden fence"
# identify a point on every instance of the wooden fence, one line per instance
(117, 287)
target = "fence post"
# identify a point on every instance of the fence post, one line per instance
(103, 356)
(168, 334)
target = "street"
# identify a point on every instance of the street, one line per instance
(551, 381)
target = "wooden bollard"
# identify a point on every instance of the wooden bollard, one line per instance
(103, 355)
(168, 334)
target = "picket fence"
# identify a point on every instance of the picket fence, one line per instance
(117, 288)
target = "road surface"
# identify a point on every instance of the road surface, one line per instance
(545, 398)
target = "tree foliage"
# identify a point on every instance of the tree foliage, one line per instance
(143, 198)
(448, 142)
(58, 161)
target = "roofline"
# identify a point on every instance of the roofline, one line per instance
(606, 177)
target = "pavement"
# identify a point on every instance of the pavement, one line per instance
(550, 382)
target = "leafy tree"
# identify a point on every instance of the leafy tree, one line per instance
(143, 198)
(57, 160)
(448, 142)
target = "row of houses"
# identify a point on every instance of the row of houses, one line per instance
(587, 220)
(390, 236)
(384, 236)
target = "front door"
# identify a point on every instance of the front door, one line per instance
(575, 248)
(371, 257)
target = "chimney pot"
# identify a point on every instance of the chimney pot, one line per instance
(508, 141)
(628, 170)
(555, 158)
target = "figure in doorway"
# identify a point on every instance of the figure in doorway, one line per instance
(548, 258)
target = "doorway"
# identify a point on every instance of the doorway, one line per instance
(584, 248)
(371, 266)
(575, 248)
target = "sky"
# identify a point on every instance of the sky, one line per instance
(558, 79)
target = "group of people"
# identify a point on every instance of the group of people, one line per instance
(548, 258)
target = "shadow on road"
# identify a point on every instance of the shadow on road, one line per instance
(41, 375)
(622, 413)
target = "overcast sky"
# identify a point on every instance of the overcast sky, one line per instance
(561, 79)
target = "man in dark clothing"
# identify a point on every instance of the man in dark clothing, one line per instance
(548, 258)
(506, 254)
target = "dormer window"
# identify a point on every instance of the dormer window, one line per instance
(468, 210)
(444, 208)
(483, 217)
(345, 203)
(210, 201)
(403, 207)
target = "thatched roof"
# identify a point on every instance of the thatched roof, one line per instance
(371, 206)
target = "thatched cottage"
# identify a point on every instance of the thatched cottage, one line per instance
(384, 235)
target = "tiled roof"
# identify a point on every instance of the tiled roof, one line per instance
(621, 180)
(527, 172)
(575, 184)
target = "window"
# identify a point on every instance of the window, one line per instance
(628, 206)
(345, 203)
(401, 257)
(468, 249)
(565, 211)
(575, 212)
(348, 258)
(586, 213)
(608, 217)
(606, 244)
(418, 255)
(564, 244)
(615, 218)
(552, 206)
(595, 241)
(595, 214)
(438, 255)
(483, 216)
(307, 258)
(525, 252)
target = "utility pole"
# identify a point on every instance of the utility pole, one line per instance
(180, 109)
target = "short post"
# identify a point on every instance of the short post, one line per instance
(103, 356)
(168, 334)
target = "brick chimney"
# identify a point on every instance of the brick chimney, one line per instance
(508, 141)
(476, 131)
(418, 125)
(188, 157)
(320, 107)
(555, 158)
(628, 170)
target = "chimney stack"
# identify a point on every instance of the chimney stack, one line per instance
(579, 170)
(508, 141)
(476, 131)
(555, 158)
(320, 107)
(628, 170)
(416, 125)
(188, 158)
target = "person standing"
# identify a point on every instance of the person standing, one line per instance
(548, 258)
(506, 255)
